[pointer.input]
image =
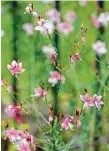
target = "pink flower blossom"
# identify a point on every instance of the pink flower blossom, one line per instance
(13, 111)
(23, 146)
(22, 139)
(64, 28)
(28, 28)
(94, 21)
(70, 16)
(15, 68)
(87, 101)
(40, 92)
(49, 51)
(99, 47)
(12, 135)
(66, 123)
(55, 78)
(97, 101)
(75, 57)
(53, 15)
(101, 20)
(46, 27)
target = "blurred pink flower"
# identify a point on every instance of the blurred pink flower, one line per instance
(50, 118)
(87, 101)
(99, 47)
(101, 20)
(75, 57)
(15, 68)
(49, 51)
(46, 27)
(28, 28)
(66, 123)
(64, 28)
(12, 135)
(55, 77)
(53, 15)
(13, 111)
(22, 139)
(97, 101)
(70, 16)
(94, 21)
(78, 123)
(83, 2)
(23, 146)
(40, 92)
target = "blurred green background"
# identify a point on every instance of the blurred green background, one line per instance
(78, 77)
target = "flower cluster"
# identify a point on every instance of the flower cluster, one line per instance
(15, 68)
(92, 101)
(55, 78)
(101, 20)
(22, 139)
(13, 111)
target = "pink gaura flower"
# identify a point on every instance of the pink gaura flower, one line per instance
(15, 68)
(12, 135)
(97, 101)
(66, 123)
(40, 93)
(99, 47)
(92, 101)
(28, 28)
(49, 51)
(75, 57)
(94, 21)
(22, 139)
(13, 111)
(53, 15)
(23, 146)
(55, 78)
(45, 27)
(64, 28)
(70, 16)
(87, 101)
